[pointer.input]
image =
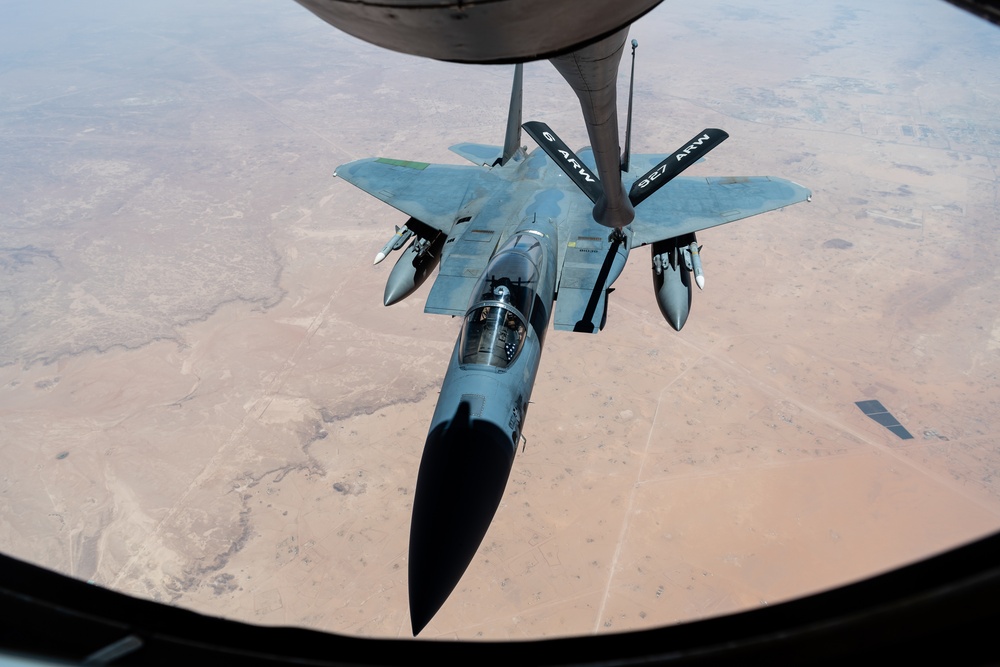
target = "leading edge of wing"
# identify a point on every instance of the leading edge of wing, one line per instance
(690, 204)
(431, 193)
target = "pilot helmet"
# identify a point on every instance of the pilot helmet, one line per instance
(501, 293)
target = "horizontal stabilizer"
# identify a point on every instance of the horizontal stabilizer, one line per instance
(478, 154)
(675, 163)
(567, 160)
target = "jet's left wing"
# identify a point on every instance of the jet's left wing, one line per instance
(681, 206)
(431, 193)
(690, 204)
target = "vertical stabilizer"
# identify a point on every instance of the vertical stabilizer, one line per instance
(512, 142)
(626, 154)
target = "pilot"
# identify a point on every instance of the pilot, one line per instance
(501, 293)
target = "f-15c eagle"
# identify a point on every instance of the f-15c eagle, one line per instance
(523, 238)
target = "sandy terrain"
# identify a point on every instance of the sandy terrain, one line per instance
(203, 401)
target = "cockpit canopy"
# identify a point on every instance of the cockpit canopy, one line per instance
(496, 324)
(514, 267)
(493, 335)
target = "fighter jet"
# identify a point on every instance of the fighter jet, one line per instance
(523, 238)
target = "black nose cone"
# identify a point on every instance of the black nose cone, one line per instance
(462, 476)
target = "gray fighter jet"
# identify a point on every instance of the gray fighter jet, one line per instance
(521, 238)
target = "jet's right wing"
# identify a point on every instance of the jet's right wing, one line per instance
(431, 193)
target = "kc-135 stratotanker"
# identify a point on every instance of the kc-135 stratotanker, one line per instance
(520, 244)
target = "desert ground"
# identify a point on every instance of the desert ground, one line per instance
(204, 402)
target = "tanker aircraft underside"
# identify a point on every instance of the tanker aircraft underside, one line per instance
(523, 238)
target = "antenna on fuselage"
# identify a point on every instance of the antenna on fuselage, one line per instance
(626, 154)
(512, 142)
